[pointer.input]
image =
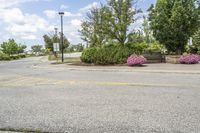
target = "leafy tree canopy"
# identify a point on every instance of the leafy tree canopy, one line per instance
(196, 39)
(50, 39)
(173, 22)
(109, 22)
(11, 47)
(37, 48)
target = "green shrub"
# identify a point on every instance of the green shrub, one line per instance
(121, 55)
(22, 56)
(14, 57)
(106, 55)
(4, 56)
(156, 47)
(198, 52)
(191, 49)
(89, 55)
(102, 56)
(138, 48)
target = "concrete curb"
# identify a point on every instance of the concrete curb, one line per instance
(134, 70)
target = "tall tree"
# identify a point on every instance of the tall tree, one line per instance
(21, 48)
(196, 39)
(136, 36)
(109, 22)
(36, 48)
(11, 47)
(173, 22)
(120, 18)
(92, 28)
(147, 31)
(50, 39)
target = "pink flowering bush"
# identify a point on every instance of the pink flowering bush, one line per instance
(135, 60)
(189, 59)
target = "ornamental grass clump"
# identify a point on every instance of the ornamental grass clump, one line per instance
(136, 60)
(189, 59)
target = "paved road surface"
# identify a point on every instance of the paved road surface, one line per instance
(35, 95)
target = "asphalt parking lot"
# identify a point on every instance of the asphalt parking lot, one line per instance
(38, 96)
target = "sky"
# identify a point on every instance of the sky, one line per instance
(28, 20)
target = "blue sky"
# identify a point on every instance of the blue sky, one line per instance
(27, 20)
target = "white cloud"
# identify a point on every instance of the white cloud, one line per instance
(26, 29)
(88, 7)
(22, 25)
(25, 26)
(64, 7)
(29, 37)
(76, 22)
(71, 31)
(69, 14)
(10, 3)
(50, 13)
(15, 15)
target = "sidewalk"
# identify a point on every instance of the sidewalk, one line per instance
(150, 68)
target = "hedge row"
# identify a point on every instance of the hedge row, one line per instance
(7, 57)
(106, 55)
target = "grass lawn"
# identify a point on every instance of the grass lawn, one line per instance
(68, 60)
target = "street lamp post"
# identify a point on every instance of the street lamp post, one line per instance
(56, 31)
(62, 41)
(56, 41)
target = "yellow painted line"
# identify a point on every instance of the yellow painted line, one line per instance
(72, 82)
(59, 82)
(13, 80)
(144, 84)
(112, 83)
(30, 81)
(77, 82)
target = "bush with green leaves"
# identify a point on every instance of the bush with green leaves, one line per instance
(11, 47)
(7, 57)
(111, 54)
(138, 48)
(37, 48)
(196, 39)
(156, 47)
(4, 56)
(103, 56)
(88, 55)
(121, 55)
(195, 48)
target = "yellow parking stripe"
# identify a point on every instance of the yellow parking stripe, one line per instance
(31, 81)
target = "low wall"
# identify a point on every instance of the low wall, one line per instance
(174, 59)
(156, 57)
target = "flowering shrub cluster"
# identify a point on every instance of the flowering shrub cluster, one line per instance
(189, 59)
(136, 60)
